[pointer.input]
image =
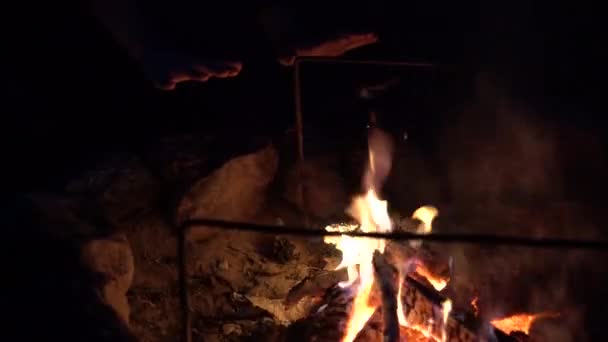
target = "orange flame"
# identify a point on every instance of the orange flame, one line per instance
(425, 331)
(520, 322)
(439, 283)
(372, 215)
(475, 306)
(425, 214)
(358, 253)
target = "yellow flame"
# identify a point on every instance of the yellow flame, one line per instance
(447, 308)
(438, 283)
(426, 215)
(400, 310)
(475, 306)
(357, 255)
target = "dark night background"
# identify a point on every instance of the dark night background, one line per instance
(75, 96)
(75, 93)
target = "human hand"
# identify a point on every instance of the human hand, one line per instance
(330, 47)
(168, 69)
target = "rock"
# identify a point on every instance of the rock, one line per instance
(236, 191)
(47, 273)
(182, 159)
(67, 218)
(223, 265)
(323, 188)
(122, 186)
(282, 313)
(112, 257)
(283, 250)
(230, 329)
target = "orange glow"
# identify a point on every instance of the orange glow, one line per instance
(400, 310)
(475, 306)
(371, 213)
(358, 253)
(446, 306)
(426, 331)
(425, 214)
(439, 283)
(520, 322)
(361, 312)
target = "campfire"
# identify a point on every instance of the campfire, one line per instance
(396, 291)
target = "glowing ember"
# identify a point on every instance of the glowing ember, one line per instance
(439, 283)
(520, 322)
(425, 331)
(475, 306)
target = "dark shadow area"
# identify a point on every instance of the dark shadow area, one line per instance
(74, 98)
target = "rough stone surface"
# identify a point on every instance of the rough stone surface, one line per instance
(236, 191)
(115, 180)
(322, 194)
(113, 258)
(66, 259)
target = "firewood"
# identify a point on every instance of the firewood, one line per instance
(387, 277)
(400, 254)
(423, 308)
(328, 322)
(315, 286)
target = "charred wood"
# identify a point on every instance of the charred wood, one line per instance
(315, 286)
(388, 278)
(329, 320)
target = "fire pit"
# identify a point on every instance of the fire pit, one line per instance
(385, 290)
(359, 283)
(390, 290)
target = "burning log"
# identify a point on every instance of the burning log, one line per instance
(328, 322)
(422, 309)
(388, 276)
(420, 264)
(314, 286)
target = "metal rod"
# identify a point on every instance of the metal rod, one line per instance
(186, 320)
(297, 86)
(404, 236)
(298, 103)
(337, 60)
(331, 60)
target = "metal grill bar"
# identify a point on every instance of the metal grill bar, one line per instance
(317, 232)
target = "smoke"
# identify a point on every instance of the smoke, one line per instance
(507, 172)
(380, 159)
(498, 150)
